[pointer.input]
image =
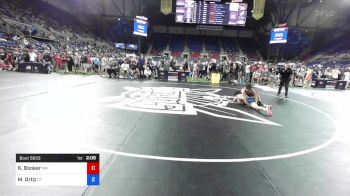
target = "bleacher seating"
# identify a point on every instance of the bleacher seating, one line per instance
(249, 48)
(214, 55)
(177, 43)
(159, 43)
(8, 44)
(46, 23)
(195, 43)
(339, 45)
(297, 42)
(195, 55)
(247, 45)
(342, 64)
(311, 64)
(7, 41)
(212, 44)
(229, 44)
(176, 54)
(334, 53)
(344, 47)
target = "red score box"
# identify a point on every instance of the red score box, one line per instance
(93, 167)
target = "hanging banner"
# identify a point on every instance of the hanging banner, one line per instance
(166, 6)
(258, 9)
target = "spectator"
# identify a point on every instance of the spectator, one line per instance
(327, 73)
(7, 63)
(2, 55)
(335, 73)
(195, 70)
(104, 62)
(148, 73)
(141, 65)
(347, 77)
(70, 63)
(247, 73)
(185, 66)
(96, 64)
(124, 70)
(253, 69)
(33, 57)
(76, 61)
(308, 77)
(47, 58)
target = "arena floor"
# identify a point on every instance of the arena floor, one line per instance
(158, 138)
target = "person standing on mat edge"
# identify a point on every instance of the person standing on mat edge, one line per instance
(285, 77)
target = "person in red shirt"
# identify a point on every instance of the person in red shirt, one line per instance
(64, 62)
(89, 60)
(9, 61)
(57, 59)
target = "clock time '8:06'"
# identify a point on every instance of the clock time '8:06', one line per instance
(90, 158)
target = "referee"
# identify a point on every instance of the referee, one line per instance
(285, 77)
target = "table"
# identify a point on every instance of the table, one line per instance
(33, 67)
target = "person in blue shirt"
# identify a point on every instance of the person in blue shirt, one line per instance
(96, 64)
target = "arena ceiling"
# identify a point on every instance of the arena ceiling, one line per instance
(323, 14)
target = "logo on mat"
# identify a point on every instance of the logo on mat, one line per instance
(183, 101)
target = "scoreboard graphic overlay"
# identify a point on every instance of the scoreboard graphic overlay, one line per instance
(212, 12)
(58, 169)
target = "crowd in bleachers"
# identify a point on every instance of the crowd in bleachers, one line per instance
(43, 20)
(33, 27)
(335, 53)
(197, 45)
(38, 32)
